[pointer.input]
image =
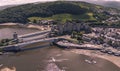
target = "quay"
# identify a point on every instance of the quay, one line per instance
(69, 45)
(75, 46)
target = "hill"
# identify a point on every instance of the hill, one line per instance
(106, 3)
(113, 4)
(59, 10)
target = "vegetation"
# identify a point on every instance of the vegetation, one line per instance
(65, 17)
(4, 42)
(59, 10)
(78, 36)
(21, 13)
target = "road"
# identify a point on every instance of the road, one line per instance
(113, 39)
(34, 37)
(84, 46)
(34, 34)
(39, 40)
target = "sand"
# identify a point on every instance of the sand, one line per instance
(8, 69)
(9, 24)
(38, 27)
(93, 53)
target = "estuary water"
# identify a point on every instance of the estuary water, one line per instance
(8, 31)
(40, 59)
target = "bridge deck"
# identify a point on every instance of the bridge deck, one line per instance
(34, 37)
(34, 34)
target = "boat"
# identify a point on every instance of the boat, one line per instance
(88, 61)
(94, 61)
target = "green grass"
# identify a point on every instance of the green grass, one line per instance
(91, 16)
(64, 17)
(98, 7)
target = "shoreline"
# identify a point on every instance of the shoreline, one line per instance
(29, 26)
(111, 58)
(93, 53)
(8, 24)
(8, 69)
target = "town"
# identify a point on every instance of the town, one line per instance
(79, 32)
(59, 36)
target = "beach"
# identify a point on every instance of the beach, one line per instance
(93, 53)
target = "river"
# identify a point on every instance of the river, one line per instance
(39, 59)
(7, 32)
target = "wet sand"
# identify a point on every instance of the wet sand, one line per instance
(93, 53)
(9, 24)
(39, 59)
(38, 27)
(8, 69)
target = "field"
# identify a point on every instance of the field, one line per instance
(64, 17)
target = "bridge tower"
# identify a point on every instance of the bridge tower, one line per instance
(15, 37)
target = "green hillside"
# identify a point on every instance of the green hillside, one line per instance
(59, 10)
(64, 17)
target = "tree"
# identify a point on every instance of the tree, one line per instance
(73, 34)
(101, 40)
(79, 37)
(34, 21)
(110, 42)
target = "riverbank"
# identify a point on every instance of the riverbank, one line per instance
(8, 69)
(29, 26)
(42, 60)
(40, 27)
(92, 50)
(93, 53)
(9, 24)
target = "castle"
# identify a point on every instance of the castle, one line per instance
(69, 27)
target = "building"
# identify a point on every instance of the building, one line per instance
(69, 27)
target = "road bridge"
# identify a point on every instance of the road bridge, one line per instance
(20, 46)
(34, 34)
(34, 37)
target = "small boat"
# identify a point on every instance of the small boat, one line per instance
(116, 54)
(94, 61)
(110, 52)
(88, 61)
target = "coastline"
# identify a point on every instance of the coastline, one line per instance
(93, 53)
(30, 26)
(8, 69)
(39, 27)
(8, 24)
(111, 58)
